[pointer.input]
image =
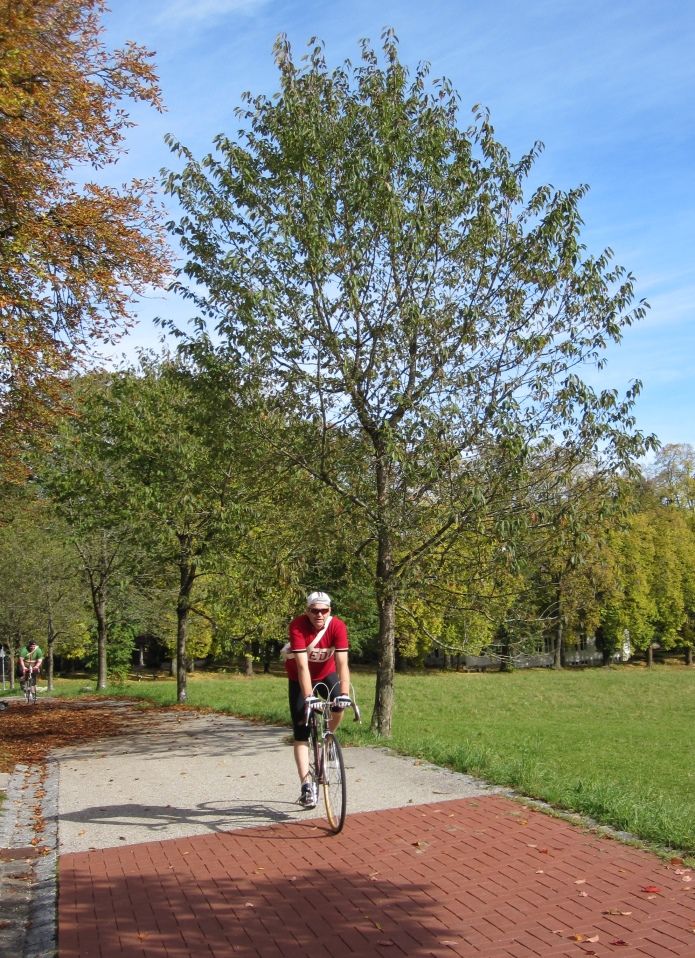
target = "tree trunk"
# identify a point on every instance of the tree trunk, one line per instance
(650, 655)
(386, 604)
(181, 631)
(558, 655)
(50, 639)
(688, 656)
(248, 665)
(383, 701)
(506, 664)
(187, 571)
(99, 601)
(49, 668)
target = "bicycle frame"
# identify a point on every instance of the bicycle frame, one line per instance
(30, 686)
(326, 765)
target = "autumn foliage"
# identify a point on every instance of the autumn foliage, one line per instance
(72, 252)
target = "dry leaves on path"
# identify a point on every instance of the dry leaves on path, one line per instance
(29, 732)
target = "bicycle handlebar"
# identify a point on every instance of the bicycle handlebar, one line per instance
(324, 705)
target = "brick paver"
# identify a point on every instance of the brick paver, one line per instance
(473, 877)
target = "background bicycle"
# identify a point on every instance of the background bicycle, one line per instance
(326, 764)
(30, 686)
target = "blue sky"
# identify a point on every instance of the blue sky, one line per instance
(608, 87)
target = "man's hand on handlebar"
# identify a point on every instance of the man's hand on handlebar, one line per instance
(340, 703)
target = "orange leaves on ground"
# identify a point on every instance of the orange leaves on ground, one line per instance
(28, 733)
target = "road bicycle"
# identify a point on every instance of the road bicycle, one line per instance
(326, 765)
(30, 687)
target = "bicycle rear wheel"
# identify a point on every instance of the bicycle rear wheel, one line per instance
(333, 781)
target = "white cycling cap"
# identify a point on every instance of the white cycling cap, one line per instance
(314, 598)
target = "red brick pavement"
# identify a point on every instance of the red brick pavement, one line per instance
(475, 877)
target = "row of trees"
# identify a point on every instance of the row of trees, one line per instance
(163, 511)
(380, 391)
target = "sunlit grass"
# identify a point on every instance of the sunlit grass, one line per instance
(614, 744)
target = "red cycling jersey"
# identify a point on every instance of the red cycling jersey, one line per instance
(321, 657)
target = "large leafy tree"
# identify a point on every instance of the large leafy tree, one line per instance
(83, 484)
(71, 256)
(672, 475)
(380, 269)
(176, 454)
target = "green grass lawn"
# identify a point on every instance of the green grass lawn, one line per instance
(614, 744)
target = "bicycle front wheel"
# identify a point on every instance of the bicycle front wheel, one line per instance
(333, 781)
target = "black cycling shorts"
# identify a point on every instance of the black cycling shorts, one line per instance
(328, 687)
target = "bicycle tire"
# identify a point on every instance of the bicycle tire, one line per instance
(334, 782)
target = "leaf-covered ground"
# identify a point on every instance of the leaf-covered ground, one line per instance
(30, 732)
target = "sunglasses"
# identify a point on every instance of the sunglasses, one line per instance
(319, 611)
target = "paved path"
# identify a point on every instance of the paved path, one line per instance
(181, 839)
(180, 774)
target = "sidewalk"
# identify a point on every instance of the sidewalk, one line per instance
(471, 877)
(181, 838)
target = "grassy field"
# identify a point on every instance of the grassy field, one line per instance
(614, 744)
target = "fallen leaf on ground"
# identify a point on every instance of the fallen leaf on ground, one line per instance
(60, 723)
(651, 889)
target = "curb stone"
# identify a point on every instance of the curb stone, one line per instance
(28, 884)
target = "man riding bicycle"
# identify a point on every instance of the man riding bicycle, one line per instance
(30, 659)
(317, 652)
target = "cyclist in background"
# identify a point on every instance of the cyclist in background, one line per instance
(317, 652)
(30, 659)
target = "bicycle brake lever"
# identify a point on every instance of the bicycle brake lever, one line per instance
(356, 712)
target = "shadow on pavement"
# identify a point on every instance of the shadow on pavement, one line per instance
(212, 911)
(216, 816)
